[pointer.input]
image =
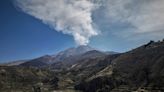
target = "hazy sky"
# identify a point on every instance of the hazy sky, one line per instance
(32, 28)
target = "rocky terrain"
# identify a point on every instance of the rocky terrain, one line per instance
(84, 69)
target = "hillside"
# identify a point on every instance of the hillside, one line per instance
(22, 79)
(67, 58)
(64, 56)
(141, 69)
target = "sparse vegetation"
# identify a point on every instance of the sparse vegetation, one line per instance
(141, 69)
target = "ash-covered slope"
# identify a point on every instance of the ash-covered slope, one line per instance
(73, 61)
(74, 51)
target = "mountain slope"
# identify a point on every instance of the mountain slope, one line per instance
(38, 62)
(141, 67)
(138, 70)
(23, 79)
(63, 56)
(66, 58)
(90, 54)
(72, 52)
(14, 63)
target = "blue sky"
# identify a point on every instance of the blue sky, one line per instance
(24, 37)
(26, 32)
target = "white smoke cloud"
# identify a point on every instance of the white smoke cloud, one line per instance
(146, 16)
(71, 17)
(76, 17)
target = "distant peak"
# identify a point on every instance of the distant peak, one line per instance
(84, 46)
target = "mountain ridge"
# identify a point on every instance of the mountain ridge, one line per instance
(138, 70)
(67, 57)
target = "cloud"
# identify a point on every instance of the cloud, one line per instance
(143, 16)
(123, 18)
(71, 17)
